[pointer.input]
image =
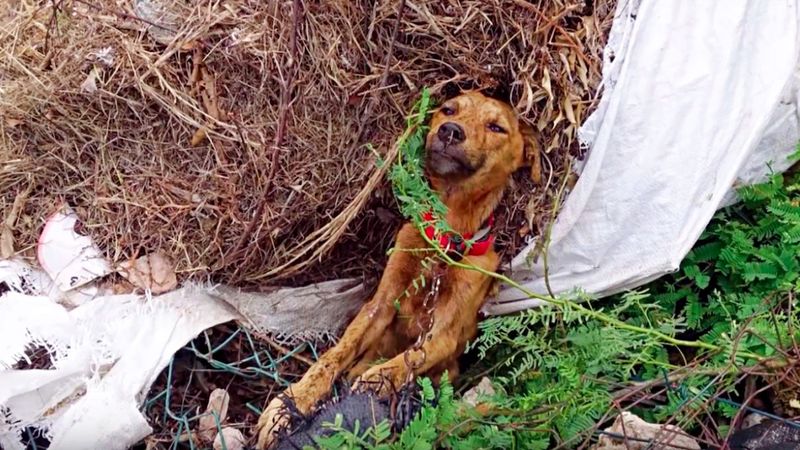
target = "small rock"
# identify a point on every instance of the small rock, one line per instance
(767, 435)
(629, 432)
(362, 407)
(165, 18)
(752, 420)
(482, 390)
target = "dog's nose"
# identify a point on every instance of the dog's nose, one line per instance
(451, 132)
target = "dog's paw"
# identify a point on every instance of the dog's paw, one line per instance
(272, 422)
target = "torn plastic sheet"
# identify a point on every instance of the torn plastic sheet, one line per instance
(314, 312)
(105, 354)
(698, 97)
(21, 277)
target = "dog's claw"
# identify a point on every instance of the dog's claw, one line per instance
(272, 421)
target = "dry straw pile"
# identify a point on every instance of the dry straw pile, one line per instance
(233, 134)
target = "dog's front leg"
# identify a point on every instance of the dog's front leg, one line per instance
(391, 375)
(366, 328)
(454, 322)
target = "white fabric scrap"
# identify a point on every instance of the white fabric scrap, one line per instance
(21, 277)
(691, 108)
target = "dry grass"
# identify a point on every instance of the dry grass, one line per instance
(232, 142)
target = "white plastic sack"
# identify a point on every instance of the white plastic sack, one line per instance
(105, 355)
(695, 93)
(315, 312)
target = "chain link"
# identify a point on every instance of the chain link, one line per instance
(424, 323)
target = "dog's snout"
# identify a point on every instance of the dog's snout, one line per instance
(451, 132)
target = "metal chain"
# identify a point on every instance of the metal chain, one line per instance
(424, 323)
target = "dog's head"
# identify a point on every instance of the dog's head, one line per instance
(477, 140)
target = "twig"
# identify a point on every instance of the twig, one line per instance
(573, 43)
(124, 15)
(285, 105)
(336, 227)
(554, 213)
(384, 77)
(52, 23)
(677, 375)
(597, 315)
(322, 239)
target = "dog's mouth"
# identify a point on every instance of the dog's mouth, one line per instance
(448, 160)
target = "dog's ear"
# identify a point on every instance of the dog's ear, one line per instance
(533, 150)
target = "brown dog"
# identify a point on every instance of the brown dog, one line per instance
(475, 143)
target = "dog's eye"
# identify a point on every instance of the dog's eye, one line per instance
(495, 128)
(447, 111)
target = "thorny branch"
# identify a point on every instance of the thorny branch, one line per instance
(285, 106)
(320, 250)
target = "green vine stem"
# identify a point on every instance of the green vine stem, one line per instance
(583, 310)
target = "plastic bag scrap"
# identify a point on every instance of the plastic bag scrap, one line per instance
(69, 258)
(698, 98)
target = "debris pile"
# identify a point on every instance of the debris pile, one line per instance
(238, 143)
(242, 139)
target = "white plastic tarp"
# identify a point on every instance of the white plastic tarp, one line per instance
(698, 98)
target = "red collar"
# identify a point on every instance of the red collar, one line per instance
(455, 246)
